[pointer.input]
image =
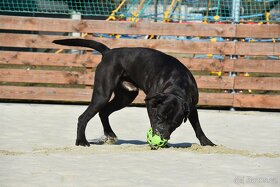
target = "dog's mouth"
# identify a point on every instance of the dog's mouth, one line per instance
(163, 133)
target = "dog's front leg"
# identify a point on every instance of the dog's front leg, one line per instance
(193, 117)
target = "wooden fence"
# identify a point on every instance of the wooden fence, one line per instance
(30, 69)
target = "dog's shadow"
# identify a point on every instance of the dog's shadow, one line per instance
(139, 142)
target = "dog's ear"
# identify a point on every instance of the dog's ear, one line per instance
(155, 99)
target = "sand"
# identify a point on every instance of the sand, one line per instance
(36, 148)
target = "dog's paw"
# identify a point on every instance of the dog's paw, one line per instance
(104, 140)
(111, 140)
(82, 142)
(204, 141)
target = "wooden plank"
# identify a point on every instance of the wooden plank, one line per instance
(86, 78)
(176, 46)
(257, 83)
(49, 59)
(84, 95)
(258, 66)
(139, 28)
(207, 64)
(215, 99)
(33, 41)
(214, 82)
(173, 46)
(257, 101)
(45, 76)
(45, 94)
(90, 61)
(257, 31)
(205, 99)
(258, 48)
(116, 27)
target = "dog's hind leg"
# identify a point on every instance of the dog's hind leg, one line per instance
(193, 117)
(121, 99)
(105, 82)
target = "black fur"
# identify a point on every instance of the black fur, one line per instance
(170, 88)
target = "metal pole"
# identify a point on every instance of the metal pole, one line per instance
(76, 16)
(236, 19)
(156, 10)
(236, 11)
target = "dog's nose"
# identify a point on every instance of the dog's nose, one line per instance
(163, 133)
(165, 136)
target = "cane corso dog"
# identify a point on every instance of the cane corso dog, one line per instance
(170, 88)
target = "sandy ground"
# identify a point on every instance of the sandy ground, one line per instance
(37, 149)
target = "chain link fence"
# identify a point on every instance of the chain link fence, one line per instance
(154, 10)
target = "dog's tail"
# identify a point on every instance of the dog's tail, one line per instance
(83, 43)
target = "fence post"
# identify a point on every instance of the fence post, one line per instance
(236, 11)
(235, 20)
(76, 16)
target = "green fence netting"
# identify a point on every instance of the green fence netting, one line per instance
(157, 10)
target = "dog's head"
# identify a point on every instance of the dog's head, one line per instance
(166, 112)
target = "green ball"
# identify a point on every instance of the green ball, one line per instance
(155, 141)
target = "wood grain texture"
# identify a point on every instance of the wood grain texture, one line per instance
(139, 28)
(45, 76)
(115, 27)
(84, 95)
(173, 46)
(49, 59)
(257, 101)
(257, 83)
(91, 61)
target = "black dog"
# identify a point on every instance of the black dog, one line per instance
(170, 88)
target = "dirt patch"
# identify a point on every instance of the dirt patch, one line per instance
(105, 149)
(224, 150)
(10, 153)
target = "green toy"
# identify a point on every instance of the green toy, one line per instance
(155, 141)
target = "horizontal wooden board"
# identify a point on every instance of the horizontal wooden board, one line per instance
(205, 99)
(257, 31)
(175, 46)
(257, 48)
(115, 27)
(257, 101)
(49, 59)
(257, 83)
(215, 99)
(207, 64)
(90, 61)
(214, 82)
(257, 66)
(84, 95)
(86, 78)
(45, 76)
(45, 94)
(139, 28)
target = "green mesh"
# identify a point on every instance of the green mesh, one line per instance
(182, 10)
